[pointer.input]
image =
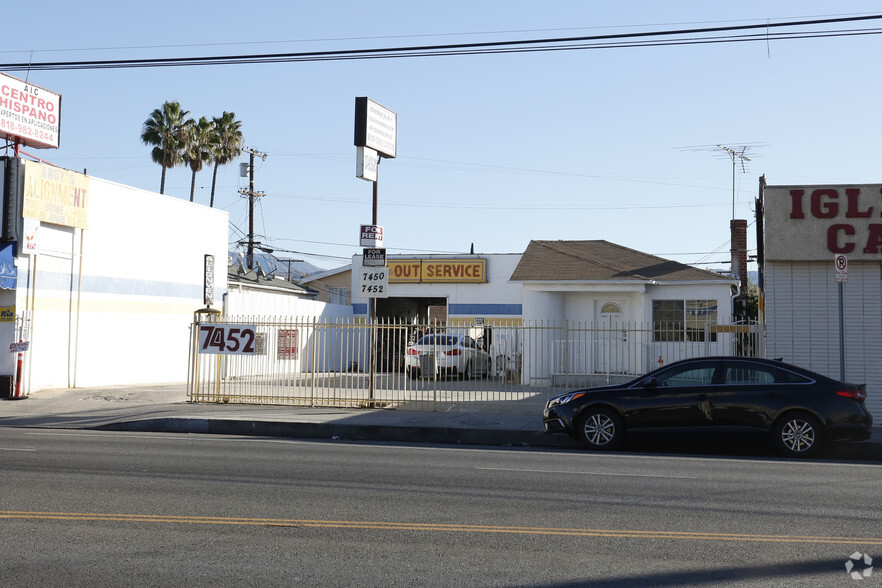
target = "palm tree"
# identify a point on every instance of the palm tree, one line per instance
(227, 144)
(199, 147)
(164, 130)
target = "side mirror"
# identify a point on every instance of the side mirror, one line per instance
(650, 383)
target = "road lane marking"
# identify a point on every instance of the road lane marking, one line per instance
(17, 449)
(436, 527)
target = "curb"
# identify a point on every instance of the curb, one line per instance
(390, 433)
(867, 451)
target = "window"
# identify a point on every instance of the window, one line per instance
(689, 376)
(683, 320)
(338, 295)
(744, 374)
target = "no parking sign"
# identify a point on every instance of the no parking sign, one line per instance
(841, 265)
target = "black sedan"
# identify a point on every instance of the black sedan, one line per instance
(801, 409)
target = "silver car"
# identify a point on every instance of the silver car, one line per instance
(446, 354)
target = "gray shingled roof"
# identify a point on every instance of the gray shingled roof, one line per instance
(600, 260)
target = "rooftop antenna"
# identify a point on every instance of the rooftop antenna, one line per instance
(736, 155)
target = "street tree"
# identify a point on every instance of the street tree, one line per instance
(165, 131)
(227, 144)
(198, 149)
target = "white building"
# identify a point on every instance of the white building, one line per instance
(558, 291)
(105, 278)
(803, 229)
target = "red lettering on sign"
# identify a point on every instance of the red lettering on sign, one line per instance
(823, 208)
(874, 241)
(833, 239)
(852, 211)
(796, 204)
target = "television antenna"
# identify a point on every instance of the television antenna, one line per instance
(737, 153)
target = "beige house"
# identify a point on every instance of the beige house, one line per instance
(333, 286)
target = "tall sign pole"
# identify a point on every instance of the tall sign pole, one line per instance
(376, 136)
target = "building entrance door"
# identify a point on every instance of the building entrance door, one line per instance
(612, 340)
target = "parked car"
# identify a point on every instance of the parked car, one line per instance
(800, 409)
(446, 354)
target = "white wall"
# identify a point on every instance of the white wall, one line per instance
(246, 302)
(120, 313)
(802, 320)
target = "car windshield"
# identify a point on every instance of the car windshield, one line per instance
(437, 340)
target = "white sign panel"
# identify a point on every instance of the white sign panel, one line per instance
(19, 347)
(840, 262)
(31, 241)
(374, 282)
(813, 223)
(208, 279)
(371, 236)
(222, 339)
(376, 127)
(366, 164)
(29, 113)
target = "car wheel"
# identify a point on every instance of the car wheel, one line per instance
(601, 429)
(798, 434)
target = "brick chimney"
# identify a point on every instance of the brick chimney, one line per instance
(738, 228)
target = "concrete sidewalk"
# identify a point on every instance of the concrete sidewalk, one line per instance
(165, 408)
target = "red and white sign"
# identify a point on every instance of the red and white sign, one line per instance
(29, 114)
(287, 343)
(371, 236)
(220, 339)
(19, 347)
(841, 264)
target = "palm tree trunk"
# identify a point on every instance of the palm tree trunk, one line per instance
(162, 182)
(213, 182)
(192, 186)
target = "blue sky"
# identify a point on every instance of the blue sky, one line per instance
(493, 150)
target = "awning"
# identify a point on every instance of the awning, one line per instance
(8, 271)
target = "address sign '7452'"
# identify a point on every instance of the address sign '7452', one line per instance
(222, 339)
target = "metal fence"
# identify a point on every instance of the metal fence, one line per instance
(516, 365)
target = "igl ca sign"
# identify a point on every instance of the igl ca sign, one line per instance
(808, 223)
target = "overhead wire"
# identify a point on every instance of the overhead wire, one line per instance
(766, 31)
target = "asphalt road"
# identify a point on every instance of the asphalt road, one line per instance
(108, 509)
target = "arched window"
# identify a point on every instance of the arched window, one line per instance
(611, 308)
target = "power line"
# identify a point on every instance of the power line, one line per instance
(765, 32)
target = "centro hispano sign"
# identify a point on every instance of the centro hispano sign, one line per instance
(29, 115)
(812, 223)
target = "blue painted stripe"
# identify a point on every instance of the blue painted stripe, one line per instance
(485, 309)
(464, 309)
(65, 282)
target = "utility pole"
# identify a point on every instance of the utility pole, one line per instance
(251, 196)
